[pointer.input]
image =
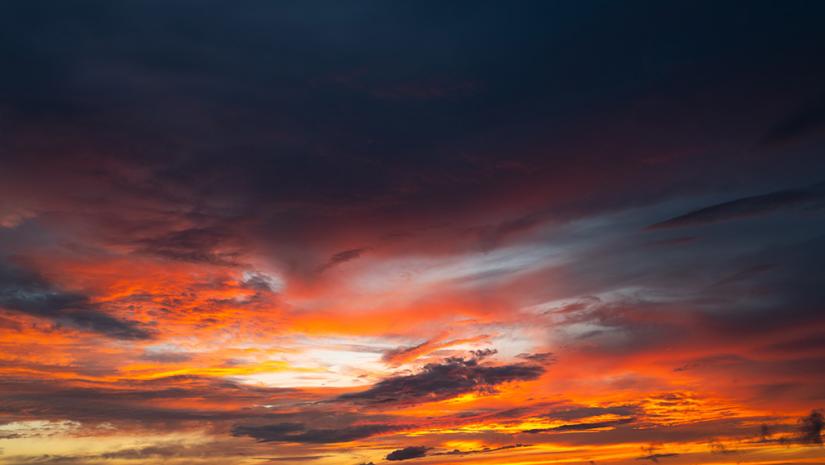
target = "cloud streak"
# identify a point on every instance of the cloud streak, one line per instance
(439, 381)
(29, 293)
(745, 207)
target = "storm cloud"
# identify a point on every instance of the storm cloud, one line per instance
(439, 381)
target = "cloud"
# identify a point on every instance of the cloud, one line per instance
(806, 121)
(208, 453)
(575, 413)
(439, 381)
(159, 450)
(342, 257)
(29, 293)
(402, 355)
(407, 453)
(810, 428)
(582, 426)
(745, 207)
(482, 450)
(492, 236)
(160, 356)
(543, 357)
(656, 457)
(300, 433)
(195, 245)
(297, 458)
(131, 401)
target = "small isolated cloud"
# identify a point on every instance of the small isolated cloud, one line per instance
(412, 452)
(582, 426)
(810, 428)
(342, 257)
(26, 292)
(656, 457)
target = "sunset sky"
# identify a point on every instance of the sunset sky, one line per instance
(419, 232)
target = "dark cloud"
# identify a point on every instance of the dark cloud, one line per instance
(196, 245)
(807, 343)
(453, 377)
(492, 236)
(138, 402)
(297, 458)
(745, 207)
(543, 357)
(318, 144)
(407, 453)
(810, 428)
(719, 448)
(656, 457)
(582, 426)
(481, 451)
(804, 122)
(300, 433)
(342, 257)
(575, 413)
(29, 293)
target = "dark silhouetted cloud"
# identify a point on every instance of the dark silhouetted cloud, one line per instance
(745, 207)
(480, 451)
(300, 433)
(810, 428)
(807, 121)
(656, 457)
(342, 257)
(196, 245)
(582, 426)
(29, 293)
(407, 453)
(453, 377)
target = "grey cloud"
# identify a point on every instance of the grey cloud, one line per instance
(575, 413)
(407, 453)
(196, 245)
(453, 377)
(804, 122)
(29, 293)
(745, 207)
(582, 426)
(300, 433)
(810, 428)
(656, 457)
(481, 451)
(342, 257)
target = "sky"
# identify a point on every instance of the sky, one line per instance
(375, 232)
